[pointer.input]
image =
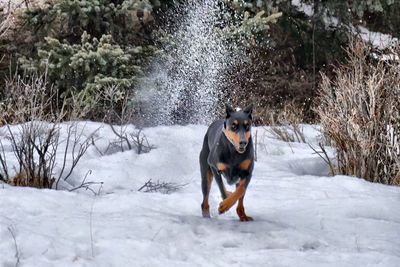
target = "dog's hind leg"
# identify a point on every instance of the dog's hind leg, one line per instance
(206, 179)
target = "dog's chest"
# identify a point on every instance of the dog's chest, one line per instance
(234, 172)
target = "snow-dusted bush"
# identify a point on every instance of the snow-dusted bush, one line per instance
(87, 69)
(360, 113)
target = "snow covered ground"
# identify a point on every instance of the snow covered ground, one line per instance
(302, 217)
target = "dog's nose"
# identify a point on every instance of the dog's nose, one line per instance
(242, 143)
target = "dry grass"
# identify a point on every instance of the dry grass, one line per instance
(285, 124)
(5, 24)
(360, 114)
(29, 99)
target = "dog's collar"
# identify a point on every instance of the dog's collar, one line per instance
(231, 141)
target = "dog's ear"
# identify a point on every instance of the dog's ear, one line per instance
(249, 110)
(229, 109)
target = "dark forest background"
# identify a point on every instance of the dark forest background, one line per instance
(86, 47)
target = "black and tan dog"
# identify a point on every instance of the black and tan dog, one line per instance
(228, 151)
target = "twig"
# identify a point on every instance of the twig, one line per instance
(256, 145)
(91, 220)
(122, 137)
(163, 187)
(135, 140)
(324, 156)
(86, 185)
(10, 229)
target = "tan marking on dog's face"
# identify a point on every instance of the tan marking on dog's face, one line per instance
(245, 164)
(221, 166)
(233, 136)
(248, 135)
(247, 125)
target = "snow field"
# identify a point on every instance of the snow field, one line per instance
(302, 216)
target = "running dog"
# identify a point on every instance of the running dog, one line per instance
(228, 151)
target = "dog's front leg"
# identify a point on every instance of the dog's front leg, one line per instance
(240, 211)
(220, 183)
(228, 202)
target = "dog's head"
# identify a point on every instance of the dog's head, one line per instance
(238, 126)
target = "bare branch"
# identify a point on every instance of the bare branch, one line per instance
(162, 187)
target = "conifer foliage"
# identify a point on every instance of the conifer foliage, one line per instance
(87, 46)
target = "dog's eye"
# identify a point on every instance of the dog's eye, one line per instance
(247, 127)
(234, 127)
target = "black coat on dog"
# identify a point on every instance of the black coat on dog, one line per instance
(228, 151)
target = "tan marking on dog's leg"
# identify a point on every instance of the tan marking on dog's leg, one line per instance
(227, 193)
(227, 203)
(241, 213)
(221, 166)
(245, 164)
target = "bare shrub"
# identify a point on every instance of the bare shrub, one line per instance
(28, 99)
(285, 124)
(33, 104)
(31, 97)
(36, 146)
(162, 187)
(116, 105)
(119, 110)
(359, 111)
(130, 140)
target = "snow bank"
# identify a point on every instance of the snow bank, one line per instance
(302, 216)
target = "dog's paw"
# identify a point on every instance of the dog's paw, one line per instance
(246, 218)
(242, 215)
(205, 210)
(224, 206)
(206, 214)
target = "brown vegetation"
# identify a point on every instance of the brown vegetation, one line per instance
(360, 114)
